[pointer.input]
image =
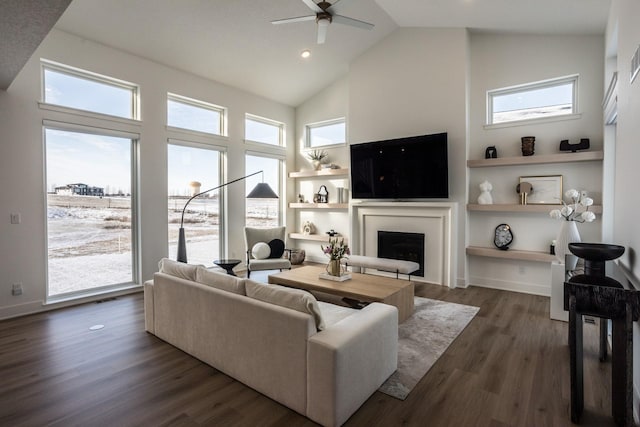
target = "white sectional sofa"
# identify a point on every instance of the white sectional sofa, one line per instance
(319, 359)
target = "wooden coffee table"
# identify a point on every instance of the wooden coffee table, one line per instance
(361, 287)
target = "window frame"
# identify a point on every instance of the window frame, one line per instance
(222, 195)
(93, 77)
(222, 111)
(136, 255)
(282, 171)
(308, 127)
(267, 121)
(526, 87)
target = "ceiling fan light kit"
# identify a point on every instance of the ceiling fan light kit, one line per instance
(323, 17)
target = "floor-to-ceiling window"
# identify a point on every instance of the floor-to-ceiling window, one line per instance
(191, 170)
(90, 181)
(90, 210)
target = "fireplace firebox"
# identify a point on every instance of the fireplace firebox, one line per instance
(404, 246)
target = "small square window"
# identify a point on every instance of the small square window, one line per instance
(332, 132)
(530, 101)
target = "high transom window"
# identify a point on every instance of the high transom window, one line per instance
(266, 131)
(331, 132)
(74, 88)
(537, 100)
(199, 116)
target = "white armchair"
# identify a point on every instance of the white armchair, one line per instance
(257, 235)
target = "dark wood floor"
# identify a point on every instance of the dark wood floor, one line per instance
(509, 367)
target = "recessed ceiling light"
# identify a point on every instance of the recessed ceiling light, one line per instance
(305, 53)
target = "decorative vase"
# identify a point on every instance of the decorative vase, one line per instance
(528, 145)
(568, 234)
(316, 164)
(333, 267)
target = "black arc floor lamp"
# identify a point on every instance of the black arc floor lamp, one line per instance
(261, 191)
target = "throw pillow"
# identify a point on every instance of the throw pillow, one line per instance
(277, 248)
(177, 269)
(221, 281)
(261, 251)
(295, 299)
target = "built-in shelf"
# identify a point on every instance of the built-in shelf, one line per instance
(597, 209)
(319, 205)
(510, 254)
(584, 156)
(313, 237)
(321, 172)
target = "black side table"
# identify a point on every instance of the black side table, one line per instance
(227, 264)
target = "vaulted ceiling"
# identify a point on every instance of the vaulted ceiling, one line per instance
(233, 41)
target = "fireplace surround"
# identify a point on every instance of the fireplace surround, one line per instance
(436, 220)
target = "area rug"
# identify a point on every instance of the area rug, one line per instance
(422, 339)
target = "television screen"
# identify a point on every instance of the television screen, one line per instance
(405, 168)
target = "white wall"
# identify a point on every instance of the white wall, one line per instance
(415, 82)
(21, 157)
(623, 32)
(328, 104)
(500, 60)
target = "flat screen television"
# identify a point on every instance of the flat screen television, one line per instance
(405, 168)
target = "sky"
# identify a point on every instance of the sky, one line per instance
(95, 160)
(102, 161)
(557, 95)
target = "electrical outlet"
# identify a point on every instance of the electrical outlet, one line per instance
(16, 289)
(16, 218)
(521, 269)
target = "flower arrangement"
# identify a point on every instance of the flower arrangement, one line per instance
(336, 249)
(569, 211)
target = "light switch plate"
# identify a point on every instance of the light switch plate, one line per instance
(16, 218)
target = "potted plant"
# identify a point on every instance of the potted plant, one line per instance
(316, 157)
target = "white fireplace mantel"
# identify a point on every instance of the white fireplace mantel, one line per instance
(435, 219)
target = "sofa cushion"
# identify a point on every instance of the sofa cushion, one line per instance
(221, 281)
(261, 250)
(332, 313)
(177, 269)
(295, 299)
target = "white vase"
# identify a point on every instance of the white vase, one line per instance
(568, 234)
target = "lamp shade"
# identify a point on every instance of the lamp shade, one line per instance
(262, 191)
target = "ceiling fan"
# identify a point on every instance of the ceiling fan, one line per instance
(323, 17)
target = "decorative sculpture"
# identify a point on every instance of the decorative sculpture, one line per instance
(582, 145)
(485, 193)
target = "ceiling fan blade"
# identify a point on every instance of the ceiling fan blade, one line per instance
(333, 4)
(322, 33)
(297, 19)
(313, 6)
(352, 22)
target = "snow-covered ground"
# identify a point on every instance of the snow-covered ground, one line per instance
(90, 237)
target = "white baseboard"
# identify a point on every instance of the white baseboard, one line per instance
(504, 285)
(33, 307)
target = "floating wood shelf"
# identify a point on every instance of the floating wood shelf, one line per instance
(584, 156)
(319, 205)
(510, 254)
(313, 237)
(597, 209)
(321, 172)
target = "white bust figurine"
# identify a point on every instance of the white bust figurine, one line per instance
(485, 196)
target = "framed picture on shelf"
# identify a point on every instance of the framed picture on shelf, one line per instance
(547, 190)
